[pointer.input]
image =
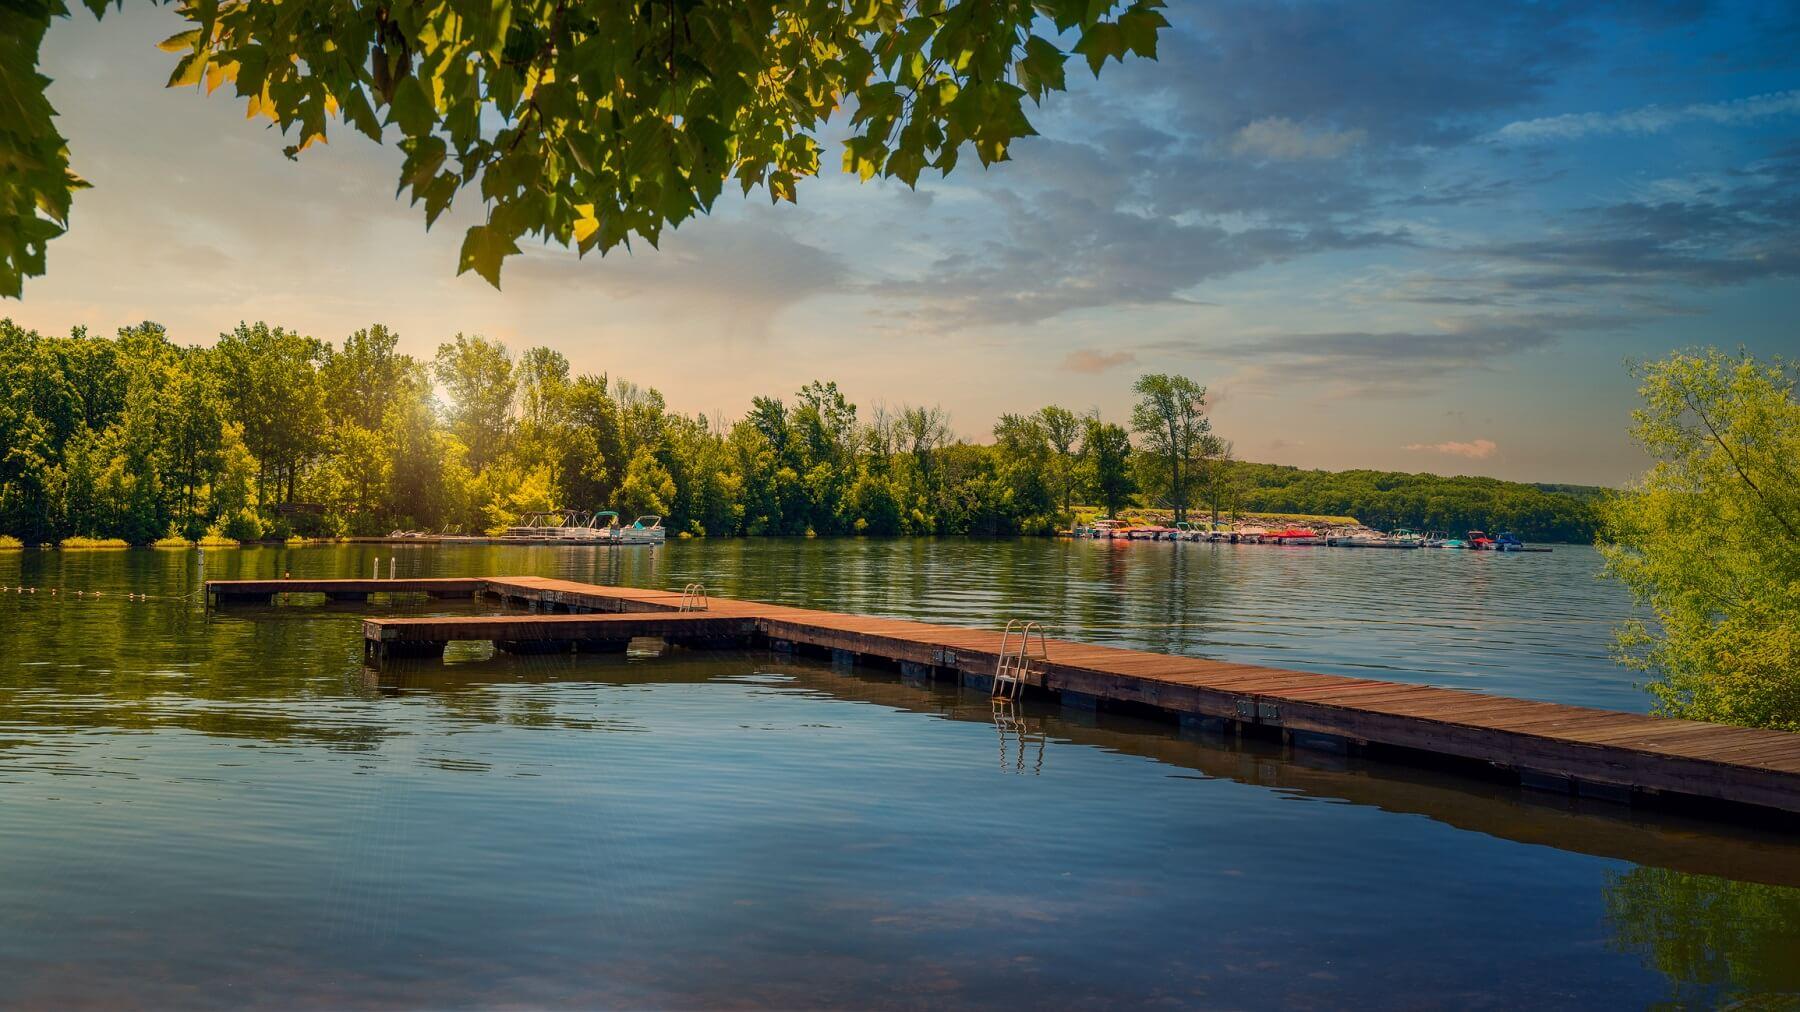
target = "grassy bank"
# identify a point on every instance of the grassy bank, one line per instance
(91, 544)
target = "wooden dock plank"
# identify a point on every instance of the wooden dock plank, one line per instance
(1631, 750)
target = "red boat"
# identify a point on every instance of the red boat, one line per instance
(1479, 541)
(1292, 536)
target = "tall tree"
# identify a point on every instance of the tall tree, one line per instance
(360, 379)
(1062, 431)
(1106, 457)
(592, 458)
(477, 376)
(270, 380)
(1170, 417)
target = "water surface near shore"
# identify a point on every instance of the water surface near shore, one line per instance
(227, 810)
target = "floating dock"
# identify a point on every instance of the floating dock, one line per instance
(1581, 750)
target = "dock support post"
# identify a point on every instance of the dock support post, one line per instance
(843, 659)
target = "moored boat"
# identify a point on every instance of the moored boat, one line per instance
(645, 530)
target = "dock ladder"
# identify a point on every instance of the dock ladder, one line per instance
(693, 597)
(1018, 664)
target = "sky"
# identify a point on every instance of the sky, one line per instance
(1415, 236)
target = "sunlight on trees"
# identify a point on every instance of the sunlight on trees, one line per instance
(270, 432)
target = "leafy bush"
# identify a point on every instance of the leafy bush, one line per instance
(9, 543)
(215, 538)
(244, 525)
(89, 543)
(1709, 539)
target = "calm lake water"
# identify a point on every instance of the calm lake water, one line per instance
(229, 811)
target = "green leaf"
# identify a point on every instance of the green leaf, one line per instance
(483, 250)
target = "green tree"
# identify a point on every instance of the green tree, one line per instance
(360, 379)
(477, 375)
(587, 468)
(1709, 538)
(647, 487)
(1023, 458)
(586, 121)
(1170, 417)
(270, 381)
(1062, 432)
(1106, 459)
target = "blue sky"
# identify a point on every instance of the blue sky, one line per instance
(1420, 236)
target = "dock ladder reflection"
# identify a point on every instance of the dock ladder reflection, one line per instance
(1018, 739)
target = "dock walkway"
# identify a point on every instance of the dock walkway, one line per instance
(1582, 749)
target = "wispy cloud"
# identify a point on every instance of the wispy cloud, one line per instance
(1650, 119)
(1091, 362)
(1283, 139)
(1474, 449)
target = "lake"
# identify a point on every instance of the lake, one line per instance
(227, 810)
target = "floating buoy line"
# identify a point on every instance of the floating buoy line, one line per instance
(63, 593)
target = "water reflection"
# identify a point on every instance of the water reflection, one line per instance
(1020, 737)
(197, 800)
(1711, 937)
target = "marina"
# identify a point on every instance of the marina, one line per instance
(601, 528)
(1297, 535)
(1569, 749)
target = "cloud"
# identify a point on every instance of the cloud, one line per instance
(1402, 361)
(1475, 449)
(1052, 251)
(1283, 139)
(725, 277)
(1650, 119)
(1440, 65)
(1091, 362)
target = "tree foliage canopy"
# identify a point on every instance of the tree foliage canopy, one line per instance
(586, 122)
(1170, 419)
(1709, 539)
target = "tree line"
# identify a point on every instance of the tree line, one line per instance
(1428, 502)
(270, 433)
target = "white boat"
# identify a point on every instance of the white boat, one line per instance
(597, 527)
(645, 530)
(538, 527)
(1363, 537)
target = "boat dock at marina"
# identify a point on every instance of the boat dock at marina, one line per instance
(1581, 750)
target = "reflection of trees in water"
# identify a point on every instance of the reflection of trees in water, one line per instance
(1716, 939)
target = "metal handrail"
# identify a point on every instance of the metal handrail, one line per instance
(1016, 665)
(693, 597)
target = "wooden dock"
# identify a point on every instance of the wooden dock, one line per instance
(267, 591)
(1582, 750)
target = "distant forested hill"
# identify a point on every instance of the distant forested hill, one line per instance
(1387, 499)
